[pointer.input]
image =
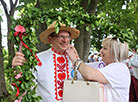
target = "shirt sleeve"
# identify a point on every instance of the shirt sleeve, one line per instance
(94, 64)
(117, 74)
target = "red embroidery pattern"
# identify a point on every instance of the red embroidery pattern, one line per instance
(61, 73)
(60, 53)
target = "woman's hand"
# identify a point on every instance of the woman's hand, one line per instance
(72, 53)
(18, 59)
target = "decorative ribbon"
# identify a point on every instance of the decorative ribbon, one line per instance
(18, 91)
(18, 75)
(13, 84)
(22, 43)
(21, 34)
(21, 97)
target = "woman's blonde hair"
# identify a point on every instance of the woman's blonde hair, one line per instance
(118, 49)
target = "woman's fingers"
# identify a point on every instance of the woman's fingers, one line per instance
(72, 53)
(75, 51)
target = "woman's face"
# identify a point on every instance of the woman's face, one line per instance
(105, 52)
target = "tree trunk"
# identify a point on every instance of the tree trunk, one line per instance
(10, 43)
(83, 42)
(79, 44)
(9, 14)
(3, 90)
(87, 44)
(40, 46)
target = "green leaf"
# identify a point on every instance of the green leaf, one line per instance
(26, 85)
(56, 25)
(82, 22)
(22, 86)
(57, 30)
(87, 28)
(59, 18)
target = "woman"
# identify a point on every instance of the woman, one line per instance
(114, 74)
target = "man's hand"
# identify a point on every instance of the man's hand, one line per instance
(18, 60)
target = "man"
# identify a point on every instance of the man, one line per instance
(56, 66)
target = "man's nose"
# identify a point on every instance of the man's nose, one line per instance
(65, 39)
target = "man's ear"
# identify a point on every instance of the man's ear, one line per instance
(50, 39)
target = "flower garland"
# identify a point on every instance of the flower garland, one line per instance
(20, 31)
(22, 76)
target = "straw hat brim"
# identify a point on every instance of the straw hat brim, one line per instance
(44, 35)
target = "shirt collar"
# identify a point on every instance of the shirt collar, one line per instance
(60, 53)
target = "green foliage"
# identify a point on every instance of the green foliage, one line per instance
(1, 15)
(0, 18)
(49, 4)
(105, 23)
(28, 68)
(109, 20)
(43, 4)
(124, 14)
(102, 28)
(5, 55)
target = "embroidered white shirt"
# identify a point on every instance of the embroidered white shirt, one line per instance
(56, 67)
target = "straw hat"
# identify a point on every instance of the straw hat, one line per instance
(51, 28)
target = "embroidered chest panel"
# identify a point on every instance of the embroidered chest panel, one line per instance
(61, 72)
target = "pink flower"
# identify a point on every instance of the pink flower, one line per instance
(17, 101)
(18, 76)
(20, 28)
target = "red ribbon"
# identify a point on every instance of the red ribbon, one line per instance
(18, 91)
(20, 36)
(36, 57)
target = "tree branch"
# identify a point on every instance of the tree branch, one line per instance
(11, 3)
(93, 6)
(13, 6)
(5, 7)
(90, 8)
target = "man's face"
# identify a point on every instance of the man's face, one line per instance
(61, 41)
